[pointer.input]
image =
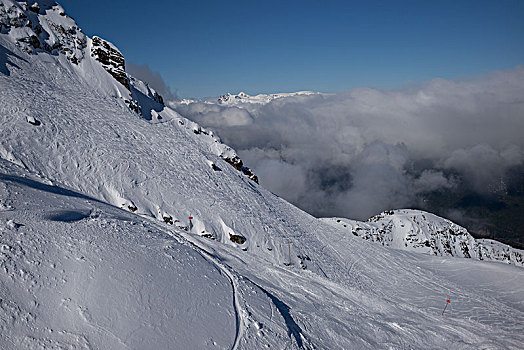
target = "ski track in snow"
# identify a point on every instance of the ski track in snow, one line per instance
(220, 266)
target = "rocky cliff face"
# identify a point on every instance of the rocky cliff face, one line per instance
(42, 26)
(111, 59)
(423, 232)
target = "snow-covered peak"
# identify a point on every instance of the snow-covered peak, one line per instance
(423, 232)
(242, 97)
(42, 26)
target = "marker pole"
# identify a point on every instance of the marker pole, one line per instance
(289, 248)
(447, 302)
(190, 223)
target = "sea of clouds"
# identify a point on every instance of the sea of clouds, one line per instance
(356, 153)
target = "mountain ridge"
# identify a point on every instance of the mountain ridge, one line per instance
(423, 232)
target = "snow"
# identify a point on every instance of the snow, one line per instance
(79, 273)
(242, 97)
(244, 100)
(82, 268)
(423, 232)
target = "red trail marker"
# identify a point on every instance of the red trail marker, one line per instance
(447, 302)
(190, 226)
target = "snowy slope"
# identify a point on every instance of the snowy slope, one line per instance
(107, 171)
(423, 232)
(78, 273)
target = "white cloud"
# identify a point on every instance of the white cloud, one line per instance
(154, 79)
(365, 150)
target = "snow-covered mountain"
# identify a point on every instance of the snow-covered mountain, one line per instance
(98, 180)
(242, 97)
(419, 231)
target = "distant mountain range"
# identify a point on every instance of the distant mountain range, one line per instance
(243, 98)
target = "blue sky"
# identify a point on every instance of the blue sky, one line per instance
(208, 48)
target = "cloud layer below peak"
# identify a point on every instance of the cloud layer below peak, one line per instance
(359, 152)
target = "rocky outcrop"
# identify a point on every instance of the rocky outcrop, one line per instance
(37, 32)
(156, 97)
(111, 59)
(237, 163)
(424, 232)
(238, 239)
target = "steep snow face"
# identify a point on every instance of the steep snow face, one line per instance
(423, 232)
(87, 92)
(78, 273)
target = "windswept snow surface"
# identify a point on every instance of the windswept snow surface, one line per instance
(94, 203)
(78, 273)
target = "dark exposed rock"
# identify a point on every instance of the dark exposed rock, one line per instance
(134, 106)
(237, 238)
(31, 40)
(12, 17)
(157, 97)
(239, 165)
(35, 8)
(111, 59)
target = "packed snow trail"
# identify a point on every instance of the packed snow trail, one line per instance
(234, 286)
(186, 240)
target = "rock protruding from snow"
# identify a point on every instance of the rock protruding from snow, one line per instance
(42, 26)
(111, 59)
(423, 232)
(237, 163)
(147, 90)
